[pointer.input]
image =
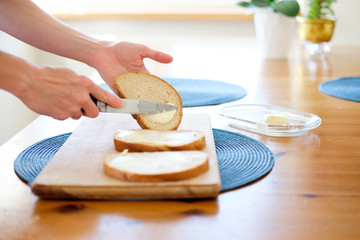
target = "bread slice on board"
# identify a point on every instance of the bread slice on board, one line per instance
(156, 166)
(144, 140)
(148, 87)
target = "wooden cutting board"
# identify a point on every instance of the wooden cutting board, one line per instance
(76, 170)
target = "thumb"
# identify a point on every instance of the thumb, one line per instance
(158, 56)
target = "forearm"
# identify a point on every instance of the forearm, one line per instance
(25, 21)
(14, 73)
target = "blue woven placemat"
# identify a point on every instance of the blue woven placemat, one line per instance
(241, 159)
(199, 92)
(346, 88)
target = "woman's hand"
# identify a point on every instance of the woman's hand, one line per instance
(61, 93)
(56, 92)
(123, 57)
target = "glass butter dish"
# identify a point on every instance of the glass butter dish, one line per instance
(270, 120)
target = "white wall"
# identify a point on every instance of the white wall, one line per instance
(14, 115)
(347, 30)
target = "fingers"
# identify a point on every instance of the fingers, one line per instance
(157, 55)
(91, 110)
(61, 93)
(83, 105)
(106, 97)
(77, 116)
(86, 107)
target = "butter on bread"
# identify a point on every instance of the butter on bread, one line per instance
(156, 166)
(143, 140)
(148, 87)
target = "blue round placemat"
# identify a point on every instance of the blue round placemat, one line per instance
(199, 92)
(346, 88)
(241, 159)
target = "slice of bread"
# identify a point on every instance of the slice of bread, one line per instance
(144, 140)
(156, 166)
(148, 87)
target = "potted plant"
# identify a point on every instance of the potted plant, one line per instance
(316, 26)
(275, 25)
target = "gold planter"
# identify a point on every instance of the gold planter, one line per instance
(316, 35)
(315, 30)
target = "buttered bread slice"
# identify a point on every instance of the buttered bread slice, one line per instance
(156, 166)
(142, 86)
(143, 140)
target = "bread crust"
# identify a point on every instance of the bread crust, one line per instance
(138, 92)
(174, 176)
(198, 144)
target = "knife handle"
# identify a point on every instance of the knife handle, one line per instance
(94, 99)
(101, 106)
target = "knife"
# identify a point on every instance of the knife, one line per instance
(134, 106)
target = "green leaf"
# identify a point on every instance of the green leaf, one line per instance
(261, 3)
(288, 8)
(245, 4)
(319, 9)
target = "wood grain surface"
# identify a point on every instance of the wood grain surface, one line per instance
(313, 191)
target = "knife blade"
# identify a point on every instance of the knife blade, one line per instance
(133, 106)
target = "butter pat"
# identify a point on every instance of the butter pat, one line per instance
(276, 119)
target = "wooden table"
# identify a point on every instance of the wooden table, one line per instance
(313, 191)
